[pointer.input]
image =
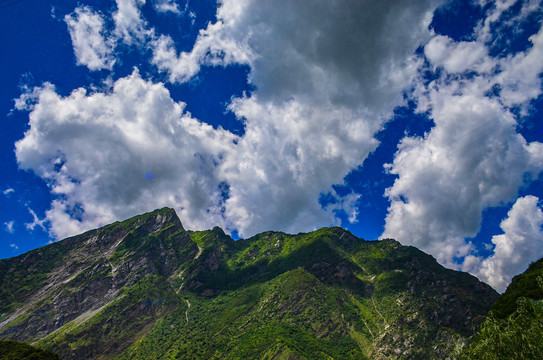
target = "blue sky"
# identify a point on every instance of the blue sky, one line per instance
(419, 120)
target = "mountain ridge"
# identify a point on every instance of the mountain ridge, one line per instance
(108, 292)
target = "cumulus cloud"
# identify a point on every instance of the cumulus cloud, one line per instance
(14, 246)
(283, 162)
(472, 158)
(333, 50)
(212, 48)
(520, 80)
(458, 57)
(94, 43)
(110, 156)
(164, 6)
(327, 77)
(88, 32)
(130, 27)
(520, 244)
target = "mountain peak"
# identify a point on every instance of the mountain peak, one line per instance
(154, 221)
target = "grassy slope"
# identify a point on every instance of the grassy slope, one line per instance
(258, 321)
(318, 295)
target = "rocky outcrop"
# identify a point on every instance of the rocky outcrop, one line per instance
(90, 270)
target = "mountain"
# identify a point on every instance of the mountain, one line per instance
(514, 327)
(146, 288)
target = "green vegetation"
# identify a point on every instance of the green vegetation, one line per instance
(516, 337)
(145, 288)
(117, 324)
(523, 285)
(514, 326)
(13, 350)
(24, 275)
(292, 314)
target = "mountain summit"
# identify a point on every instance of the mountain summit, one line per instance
(146, 288)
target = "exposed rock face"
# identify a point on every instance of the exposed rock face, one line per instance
(212, 261)
(94, 295)
(83, 274)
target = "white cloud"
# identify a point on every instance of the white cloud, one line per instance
(491, 28)
(286, 159)
(94, 44)
(520, 244)
(327, 77)
(472, 158)
(164, 6)
(320, 98)
(14, 246)
(88, 32)
(458, 57)
(365, 54)
(130, 27)
(212, 47)
(10, 226)
(520, 81)
(111, 156)
(8, 191)
(36, 221)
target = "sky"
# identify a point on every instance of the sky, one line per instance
(415, 120)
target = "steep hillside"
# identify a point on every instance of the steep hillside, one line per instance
(90, 287)
(145, 288)
(514, 327)
(528, 285)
